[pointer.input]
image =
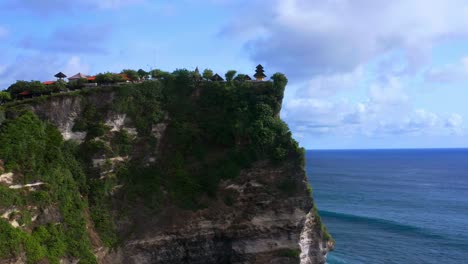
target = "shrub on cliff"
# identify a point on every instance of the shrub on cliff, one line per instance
(36, 150)
(230, 75)
(5, 97)
(33, 87)
(131, 74)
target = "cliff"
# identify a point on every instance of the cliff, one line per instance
(167, 171)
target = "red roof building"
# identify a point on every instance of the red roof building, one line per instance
(49, 82)
(124, 76)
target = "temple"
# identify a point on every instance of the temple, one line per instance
(260, 73)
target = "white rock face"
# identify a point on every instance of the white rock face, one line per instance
(112, 161)
(70, 135)
(117, 122)
(6, 215)
(158, 130)
(7, 178)
(313, 250)
(66, 128)
(30, 185)
(305, 241)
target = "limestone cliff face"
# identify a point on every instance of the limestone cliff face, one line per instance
(265, 215)
(262, 225)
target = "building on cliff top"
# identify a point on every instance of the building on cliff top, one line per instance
(60, 76)
(260, 73)
(217, 78)
(77, 77)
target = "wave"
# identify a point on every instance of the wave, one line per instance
(388, 225)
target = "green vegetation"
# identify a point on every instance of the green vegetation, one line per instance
(36, 151)
(323, 229)
(214, 129)
(207, 74)
(143, 74)
(289, 253)
(240, 116)
(109, 78)
(159, 74)
(230, 75)
(77, 84)
(33, 87)
(4, 97)
(131, 74)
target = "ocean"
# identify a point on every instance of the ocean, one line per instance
(393, 206)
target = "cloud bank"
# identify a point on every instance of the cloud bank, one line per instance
(326, 49)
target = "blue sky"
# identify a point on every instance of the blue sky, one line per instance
(362, 73)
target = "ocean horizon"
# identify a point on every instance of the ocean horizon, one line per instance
(393, 205)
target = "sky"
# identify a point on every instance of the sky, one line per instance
(362, 73)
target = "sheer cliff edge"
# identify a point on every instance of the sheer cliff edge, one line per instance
(174, 170)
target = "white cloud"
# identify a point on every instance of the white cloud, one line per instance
(327, 47)
(306, 38)
(455, 123)
(21, 69)
(389, 91)
(74, 65)
(327, 85)
(386, 112)
(449, 72)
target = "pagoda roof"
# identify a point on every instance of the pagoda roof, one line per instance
(60, 75)
(259, 75)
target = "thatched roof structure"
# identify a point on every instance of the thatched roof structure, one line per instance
(60, 75)
(78, 76)
(217, 78)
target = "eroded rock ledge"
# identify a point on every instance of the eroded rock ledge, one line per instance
(261, 225)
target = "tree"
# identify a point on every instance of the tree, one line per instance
(182, 76)
(81, 82)
(230, 75)
(58, 86)
(131, 74)
(118, 78)
(158, 74)
(4, 97)
(18, 87)
(196, 75)
(36, 87)
(207, 74)
(240, 77)
(143, 74)
(279, 79)
(106, 77)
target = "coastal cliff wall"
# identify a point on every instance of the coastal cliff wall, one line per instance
(176, 171)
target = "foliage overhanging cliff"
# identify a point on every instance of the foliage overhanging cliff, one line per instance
(143, 148)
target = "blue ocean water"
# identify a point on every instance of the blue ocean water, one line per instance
(393, 206)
